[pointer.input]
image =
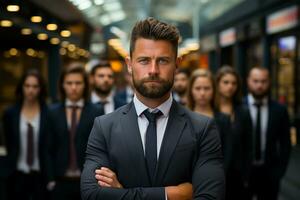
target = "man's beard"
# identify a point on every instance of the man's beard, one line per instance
(180, 91)
(260, 95)
(152, 92)
(103, 91)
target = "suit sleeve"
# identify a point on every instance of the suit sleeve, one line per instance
(208, 176)
(97, 157)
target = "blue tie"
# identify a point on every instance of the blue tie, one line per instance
(151, 143)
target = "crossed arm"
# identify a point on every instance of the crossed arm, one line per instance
(107, 178)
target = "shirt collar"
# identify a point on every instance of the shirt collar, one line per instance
(164, 107)
(252, 100)
(79, 103)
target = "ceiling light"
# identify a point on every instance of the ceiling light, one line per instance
(26, 31)
(30, 52)
(51, 27)
(112, 6)
(6, 23)
(13, 8)
(71, 47)
(65, 44)
(62, 51)
(105, 20)
(117, 16)
(84, 5)
(42, 36)
(13, 51)
(65, 33)
(54, 41)
(99, 2)
(36, 19)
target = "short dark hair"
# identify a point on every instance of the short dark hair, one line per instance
(154, 29)
(74, 69)
(100, 64)
(259, 68)
(19, 89)
(183, 71)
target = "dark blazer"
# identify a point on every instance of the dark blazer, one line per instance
(11, 124)
(57, 155)
(122, 95)
(118, 101)
(224, 129)
(277, 140)
(190, 152)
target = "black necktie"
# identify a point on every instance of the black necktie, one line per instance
(258, 132)
(72, 161)
(151, 143)
(30, 145)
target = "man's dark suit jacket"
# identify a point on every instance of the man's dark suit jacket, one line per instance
(57, 155)
(190, 152)
(11, 124)
(277, 140)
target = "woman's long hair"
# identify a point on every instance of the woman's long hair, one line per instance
(19, 89)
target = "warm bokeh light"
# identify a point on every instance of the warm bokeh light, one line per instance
(6, 23)
(36, 19)
(26, 31)
(13, 8)
(51, 27)
(54, 41)
(42, 36)
(65, 33)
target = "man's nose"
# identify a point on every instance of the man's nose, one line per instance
(153, 68)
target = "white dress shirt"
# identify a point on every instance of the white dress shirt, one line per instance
(22, 163)
(109, 105)
(264, 111)
(161, 123)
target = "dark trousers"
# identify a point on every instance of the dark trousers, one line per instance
(66, 189)
(26, 186)
(263, 185)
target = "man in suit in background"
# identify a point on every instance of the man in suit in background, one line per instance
(270, 147)
(126, 94)
(102, 79)
(153, 148)
(69, 125)
(180, 86)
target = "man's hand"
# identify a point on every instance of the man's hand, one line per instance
(107, 178)
(183, 191)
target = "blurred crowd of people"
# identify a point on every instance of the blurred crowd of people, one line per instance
(46, 143)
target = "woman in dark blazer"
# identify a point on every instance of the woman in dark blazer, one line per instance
(24, 128)
(228, 101)
(201, 93)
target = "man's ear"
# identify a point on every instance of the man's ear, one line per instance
(128, 63)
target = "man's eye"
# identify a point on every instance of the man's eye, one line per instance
(143, 61)
(163, 61)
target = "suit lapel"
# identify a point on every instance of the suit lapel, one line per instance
(133, 142)
(172, 135)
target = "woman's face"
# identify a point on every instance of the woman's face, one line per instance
(31, 88)
(227, 85)
(202, 91)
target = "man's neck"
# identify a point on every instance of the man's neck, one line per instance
(151, 102)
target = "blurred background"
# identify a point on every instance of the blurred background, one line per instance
(49, 34)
